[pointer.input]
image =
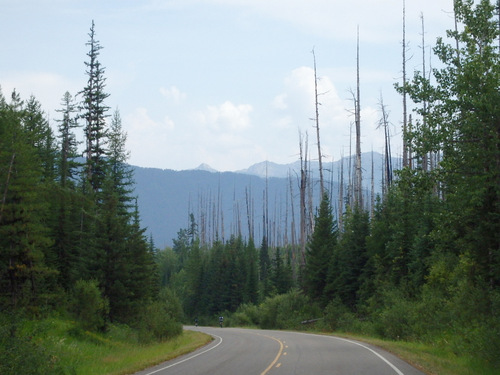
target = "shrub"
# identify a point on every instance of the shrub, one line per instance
(20, 353)
(338, 316)
(157, 323)
(89, 306)
(246, 315)
(160, 320)
(287, 311)
(397, 320)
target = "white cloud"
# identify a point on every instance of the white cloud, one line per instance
(173, 94)
(141, 122)
(379, 21)
(226, 117)
(295, 108)
(48, 88)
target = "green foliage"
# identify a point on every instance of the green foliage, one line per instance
(20, 352)
(160, 319)
(338, 316)
(89, 306)
(319, 252)
(348, 261)
(287, 311)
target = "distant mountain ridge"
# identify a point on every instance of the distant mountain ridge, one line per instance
(167, 197)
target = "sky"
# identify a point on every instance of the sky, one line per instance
(229, 83)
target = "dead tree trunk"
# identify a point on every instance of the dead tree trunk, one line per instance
(303, 212)
(341, 195)
(384, 122)
(425, 158)
(358, 187)
(405, 115)
(316, 106)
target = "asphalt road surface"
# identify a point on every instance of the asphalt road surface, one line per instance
(245, 352)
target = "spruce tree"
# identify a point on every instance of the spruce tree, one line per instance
(24, 235)
(461, 123)
(319, 251)
(66, 195)
(349, 259)
(94, 113)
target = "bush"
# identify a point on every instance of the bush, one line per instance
(246, 315)
(20, 353)
(338, 316)
(160, 320)
(158, 324)
(89, 306)
(287, 311)
(397, 320)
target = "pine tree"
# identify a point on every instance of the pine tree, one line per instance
(67, 139)
(320, 250)
(462, 118)
(349, 259)
(24, 235)
(94, 113)
(66, 196)
(252, 273)
(264, 269)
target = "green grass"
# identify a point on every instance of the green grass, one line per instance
(119, 352)
(432, 359)
(115, 353)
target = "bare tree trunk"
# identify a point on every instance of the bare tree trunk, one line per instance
(358, 187)
(341, 195)
(292, 229)
(425, 158)
(316, 106)
(303, 213)
(350, 178)
(405, 116)
(384, 122)
(249, 212)
(310, 210)
(372, 203)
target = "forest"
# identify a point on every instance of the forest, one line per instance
(420, 262)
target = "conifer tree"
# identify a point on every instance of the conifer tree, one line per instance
(66, 195)
(94, 113)
(24, 237)
(462, 117)
(349, 259)
(320, 250)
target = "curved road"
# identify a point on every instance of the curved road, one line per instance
(244, 352)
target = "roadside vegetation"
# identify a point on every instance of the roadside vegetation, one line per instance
(416, 270)
(54, 345)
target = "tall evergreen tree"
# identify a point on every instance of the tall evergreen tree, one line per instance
(264, 269)
(349, 260)
(94, 113)
(252, 273)
(462, 118)
(66, 195)
(68, 151)
(319, 251)
(24, 235)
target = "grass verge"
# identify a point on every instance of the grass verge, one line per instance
(71, 350)
(431, 359)
(121, 358)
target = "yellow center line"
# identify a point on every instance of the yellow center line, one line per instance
(275, 359)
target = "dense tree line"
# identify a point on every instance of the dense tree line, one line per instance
(425, 263)
(69, 225)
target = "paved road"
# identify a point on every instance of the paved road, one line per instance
(244, 352)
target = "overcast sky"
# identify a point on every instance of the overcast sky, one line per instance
(223, 82)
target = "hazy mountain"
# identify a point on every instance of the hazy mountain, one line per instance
(167, 197)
